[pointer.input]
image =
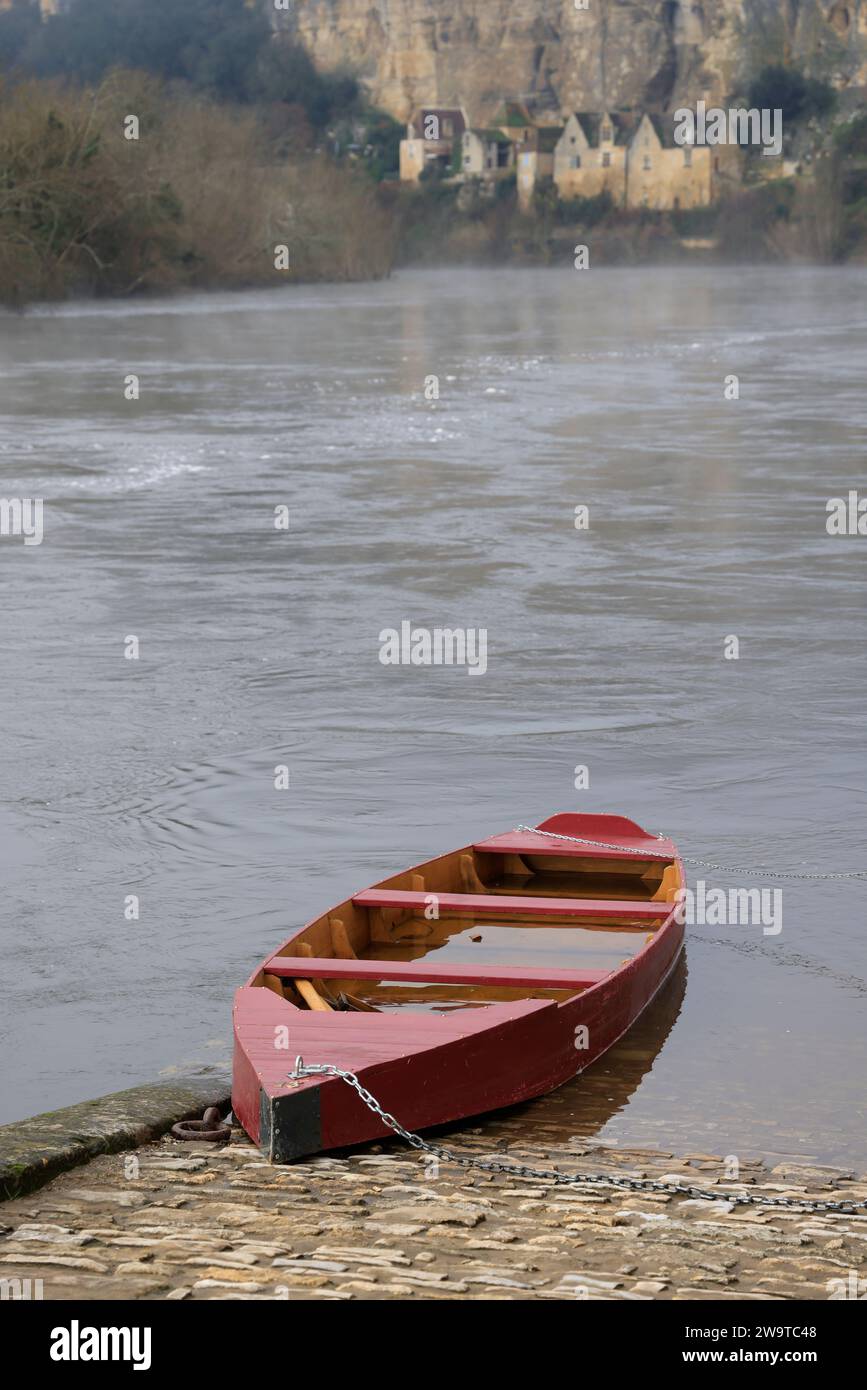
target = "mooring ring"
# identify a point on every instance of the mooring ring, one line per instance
(209, 1129)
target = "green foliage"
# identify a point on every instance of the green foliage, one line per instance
(545, 202)
(584, 212)
(698, 222)
(383, 135)
(850, 138)
(372, 138)
(777, 87)
(433, 172)
(428, 215)
(284, 72)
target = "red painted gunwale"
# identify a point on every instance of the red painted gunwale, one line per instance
(431, 1069)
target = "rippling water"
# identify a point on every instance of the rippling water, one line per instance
(260, 647)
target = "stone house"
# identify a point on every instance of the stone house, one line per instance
(430, 138)
(591, 155)
(486, 154)
(535, 160)
(661, 174)
(630, 155)
(635, 159)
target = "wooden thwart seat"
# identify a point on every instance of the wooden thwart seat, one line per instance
(504, 905)
(518, 976)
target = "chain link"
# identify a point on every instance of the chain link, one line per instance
(702, 863)
(517, 1170)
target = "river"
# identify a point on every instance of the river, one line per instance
(153, 776)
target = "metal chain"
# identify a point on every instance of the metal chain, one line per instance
(702, 863)
(493, 1165)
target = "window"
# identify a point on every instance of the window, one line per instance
(571, 139)
(606, 159)
(606, 132)
(575, 162)
(687, 158)
(645, 163)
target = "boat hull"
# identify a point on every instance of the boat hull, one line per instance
(426, 1070)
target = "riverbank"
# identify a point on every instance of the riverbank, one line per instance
(816, 216)
(168, 1220)
(137, 187)
(35, 1150)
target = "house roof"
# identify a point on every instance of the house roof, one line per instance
(513, 113)
(543, 139)
(663, 126)
(496, 135)
(452, 113)
(589, 122)
(623, 124)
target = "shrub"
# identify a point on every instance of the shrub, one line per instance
(584, 212)
(787, 89)
(747, 219)
(850, 138)
(193, 202)
(700, 222)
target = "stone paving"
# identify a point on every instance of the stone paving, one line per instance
(181, 1221)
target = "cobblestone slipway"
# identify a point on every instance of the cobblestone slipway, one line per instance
(180, 1221)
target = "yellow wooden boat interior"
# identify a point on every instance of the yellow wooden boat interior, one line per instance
(541, 935)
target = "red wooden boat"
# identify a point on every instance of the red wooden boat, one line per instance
(484, 977)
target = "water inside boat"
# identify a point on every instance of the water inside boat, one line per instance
(480, 927)
(486, 942)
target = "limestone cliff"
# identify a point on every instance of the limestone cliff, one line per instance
(615, 53)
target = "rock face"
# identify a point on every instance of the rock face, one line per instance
(611, 54)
